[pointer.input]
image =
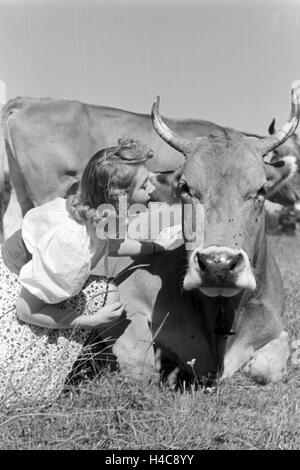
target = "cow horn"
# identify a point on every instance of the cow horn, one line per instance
(271, 142)
(164, 132)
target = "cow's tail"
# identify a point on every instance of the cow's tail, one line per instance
(7, 111)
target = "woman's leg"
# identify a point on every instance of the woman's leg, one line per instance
(34, 361)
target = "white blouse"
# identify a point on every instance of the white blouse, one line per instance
(61, 252)
(62, 249)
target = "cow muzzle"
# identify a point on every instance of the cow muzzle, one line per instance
(219, 271)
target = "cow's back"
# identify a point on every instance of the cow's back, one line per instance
(49, 142)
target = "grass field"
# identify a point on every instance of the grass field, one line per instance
(116, 413)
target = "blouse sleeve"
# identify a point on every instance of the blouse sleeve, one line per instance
(59, 267)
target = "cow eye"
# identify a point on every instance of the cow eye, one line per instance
(184, 188)
(262, 191)
(258, 195)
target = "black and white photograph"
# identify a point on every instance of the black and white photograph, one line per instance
(149, 227)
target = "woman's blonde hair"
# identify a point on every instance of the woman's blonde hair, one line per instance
(109, 174)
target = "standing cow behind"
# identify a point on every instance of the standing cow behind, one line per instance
(288, 215)
(48, 142)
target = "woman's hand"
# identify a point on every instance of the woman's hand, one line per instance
(105, 315)
(168, 237)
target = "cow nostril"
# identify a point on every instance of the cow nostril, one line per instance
(235, 262)
(202, 265)
(233, 266)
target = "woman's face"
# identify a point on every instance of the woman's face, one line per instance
(142, 187)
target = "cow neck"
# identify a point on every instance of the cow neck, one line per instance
(260, 246)
(224, 317)
(226, 310)
(219, 316)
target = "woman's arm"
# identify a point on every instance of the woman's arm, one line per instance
(32, 310)
(130, 247)
(170, 237)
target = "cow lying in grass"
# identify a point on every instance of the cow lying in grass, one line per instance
(214, 304)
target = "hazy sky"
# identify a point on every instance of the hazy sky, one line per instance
(227, 61)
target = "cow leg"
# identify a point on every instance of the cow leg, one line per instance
(5, 195)
(134, 349)
(12, 219)
(268, 363)
(236, 357)
(18, 182)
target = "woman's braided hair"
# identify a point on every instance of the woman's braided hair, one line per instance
(109, 174)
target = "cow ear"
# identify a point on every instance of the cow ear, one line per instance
(271, 128)
(166, 184)
(278, 174)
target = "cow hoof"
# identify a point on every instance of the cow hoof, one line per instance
(172, 378)
(258, 368)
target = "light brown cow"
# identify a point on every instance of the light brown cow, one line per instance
(217, 305)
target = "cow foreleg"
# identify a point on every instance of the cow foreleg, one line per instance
(237, 356)
(268, 364)
(5, 195)
(12, 219)
(133, 348)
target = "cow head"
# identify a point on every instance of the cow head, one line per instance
(290, 147)
(226, 178)
(288, 193)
